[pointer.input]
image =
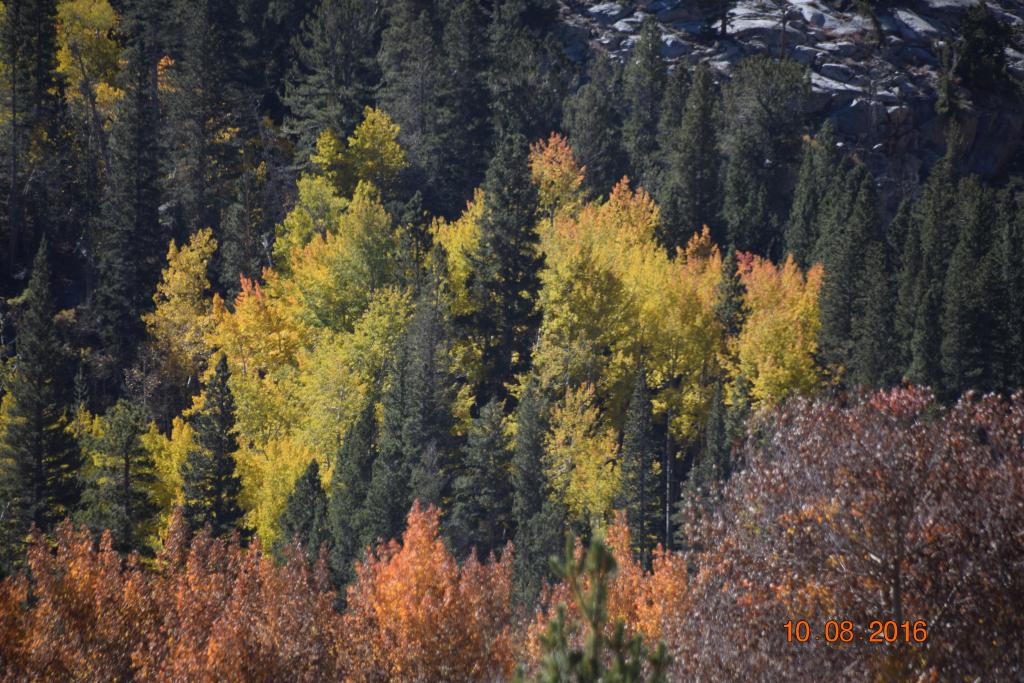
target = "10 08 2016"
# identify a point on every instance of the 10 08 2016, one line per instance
(846, 631)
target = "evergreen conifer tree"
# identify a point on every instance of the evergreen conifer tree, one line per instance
(764, 109)
(935, 237)
(411, 73)
(464, 112)
(639, 489)
(427, 426)
(848, 241)
(1010, 245)
(119, 496)
(970, 325)
(817, 173)
(538, 518)
(304, 518)
(690, 189)
(334, 73)
(643, 86)
(202, 115)
(481, 512)
(39, 459)
(505, 279)
(350, 480)
(527, 70)
(130, 244)
(875, 361)
(730, 309)
(594, 125)
(209, 484)
(32, 117)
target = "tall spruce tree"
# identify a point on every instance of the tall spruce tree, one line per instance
(764, 110)
(464, 115)
(644, 80)
(32, 117)
(427, 440)
(971, 323)
(538, 517)
(1010, 243)
(481, 512)
(130, 243)
(209, 484)
(305, 519)
(689, 193)
(350, 480)
(527, 74)
(334, 73)
(815, 179)
(203, 114)
(594, 124)
(923, 288)
(730, 292)
(875, 360)
(848, 241)
(119, 496)
(39, 459)
(639, 490)
(411, 73)
(505, 277)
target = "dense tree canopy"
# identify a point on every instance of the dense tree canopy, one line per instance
(343, 315)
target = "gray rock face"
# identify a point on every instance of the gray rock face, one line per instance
(880, 90)
(608, 12)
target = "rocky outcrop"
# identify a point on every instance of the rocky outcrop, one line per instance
(879, 88)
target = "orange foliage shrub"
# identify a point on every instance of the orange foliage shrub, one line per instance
(415, 614)
(646, 601)
(210, 610)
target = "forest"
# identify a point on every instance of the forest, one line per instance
(391, 340)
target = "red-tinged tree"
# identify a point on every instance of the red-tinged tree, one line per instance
(885, 507)
(415, 615)
(89, 612)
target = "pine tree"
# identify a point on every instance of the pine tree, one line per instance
(203, 113)
(481, 512)
(464, 109)
(538, 518)
(730, 309)
(350, 480)
(594, 124)
(639, 489)
(39, 459)
(817, 173)
(690, 195)
(410, 66)
(119, 496)
(643, 85)
(970, 325)
(1010, 245)
(527, 71)
(130, 244)
(678, 81)
(387, 496)
(209, 484)
(847, 242)
(335, 71)
(304, 518)
(764, 109)
(505, 279)
(935, 241)
(33, 112)
(875, 360)
(427, 426)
